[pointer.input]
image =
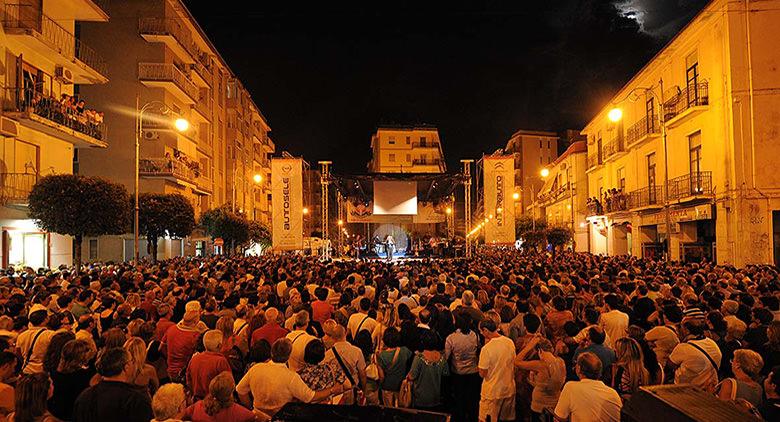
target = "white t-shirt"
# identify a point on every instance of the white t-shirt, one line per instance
(497, 358)
(273, 385)
(615, 324)
(300, 339)
(693, 366)
(588, 400)
(357, 319)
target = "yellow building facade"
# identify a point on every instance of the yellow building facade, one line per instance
(681, 161)
(42, 127)
(406, 149)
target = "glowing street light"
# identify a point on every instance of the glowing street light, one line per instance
(545, 172)
(305, 210)
(257, 178)
(615, 115)
(515, 196)
(181, 124)
(448, 210)
(340, 223)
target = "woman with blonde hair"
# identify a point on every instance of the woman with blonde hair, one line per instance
(745, 384)
(144, 374)
(72, 375)
(218, 405)
(225, 324)
(629, 371)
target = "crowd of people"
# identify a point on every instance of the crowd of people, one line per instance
(611, 201)
(502, 336)
(68, 110)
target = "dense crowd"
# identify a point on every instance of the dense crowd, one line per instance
(502, 336)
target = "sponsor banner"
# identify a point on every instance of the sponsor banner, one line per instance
(427, 213)
(287, 203)
(499, 179)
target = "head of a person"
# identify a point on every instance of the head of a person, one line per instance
(628, 350)
(225, 325)
(588, 366)
(748, 362)
(467, 298)
(75, 355)
(212, 340)
(391, 337)
(301, 320)
(220, 394)
(559, 303)
(612, 301)
(280, 350)
(114, 362)
(31, 395)
(772, 383)
(314, 352)
(488, 327)
(272, 315)
(39, 318)
(192, 312)
(532, 323)
(168, 401)
(260, 351)
(54, 351)
(7, 364)
(596, 335)
(773, 333)
(429, 340)
(463, 323)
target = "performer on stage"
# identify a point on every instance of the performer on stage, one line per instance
(389, 246)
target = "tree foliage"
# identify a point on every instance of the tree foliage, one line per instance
(79, 206)
(259, 234)
(534, 239)
(525, 224)
(164, 214)
(559, 236)
(231, 226)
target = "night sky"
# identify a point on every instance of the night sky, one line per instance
(325, 74)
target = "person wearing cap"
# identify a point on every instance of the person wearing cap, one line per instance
(179, 342)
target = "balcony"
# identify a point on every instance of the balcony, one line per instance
(203, 184)
(427, 144)
(79, 10)
(202, 75)
(16, 187)
(645, 128)
(173, 34)
(168, 76)
(47, 38)
(203, 107)
(166, 168)
(595, 160)
(46, 114)
(691, 186)
(647, 197)
(686, 103)
(419, 162)
(612, 148)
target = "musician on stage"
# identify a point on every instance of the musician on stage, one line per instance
(389, 246)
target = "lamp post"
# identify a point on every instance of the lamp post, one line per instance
(179, 124)
(258, 179)
(615, 115)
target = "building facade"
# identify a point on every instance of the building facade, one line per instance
(406, 149)
(563, 198)
(167, 66)
(686, 167)
(533, 151)
(44, 125)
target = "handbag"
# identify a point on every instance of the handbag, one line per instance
(405, 394)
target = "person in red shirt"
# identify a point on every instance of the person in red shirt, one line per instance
(321, 310)
(148, 305)
(207, 365)
(179, 341)
(271, 331)
(164, 323)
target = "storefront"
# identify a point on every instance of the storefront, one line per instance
(691, 236)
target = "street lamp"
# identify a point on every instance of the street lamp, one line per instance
(545, 172)
(257, 178)
(615, 115)
(305, 211)
(181, 125)
(516, 196)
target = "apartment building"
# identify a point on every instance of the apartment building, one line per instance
(563, 198)
(681, 161)
(163, 63)
(406, 149)
(45, 65)
(533, 150)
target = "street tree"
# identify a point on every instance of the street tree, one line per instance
(79, 206)
(223, 222)
(164, 214)
(558, 237)
(526, 224)
(259, 234)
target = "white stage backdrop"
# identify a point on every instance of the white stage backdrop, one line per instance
(499, 186)
(395, 198)
(287, 202)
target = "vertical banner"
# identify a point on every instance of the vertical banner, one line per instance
(287, 203)
(499, 172)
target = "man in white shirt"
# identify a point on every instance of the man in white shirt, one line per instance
(350, 357)
(360, 320)
(273, 384)
(697, 359)
(299, 339)
(588, 399)
(496, 367)
(614, 322)
(33, 342)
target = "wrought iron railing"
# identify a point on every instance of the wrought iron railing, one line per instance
(165, 167)
(645, 126)
(31, 18)
(428, 144)
(28, 100)
(645, 197)
(16, 187)
(170, 73)
(613, 147)
(692, 95)
(434, 162)
(691, 184)
(172, 27)
(594, 160)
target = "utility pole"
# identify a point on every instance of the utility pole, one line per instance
(324, 181)
(467, 202)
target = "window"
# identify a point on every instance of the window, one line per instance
(408, 140)
(391, 158)
(599, 149)
(423, 141)
(651, 178)
(93, 249)
(650, 115)
(408, 158)
(540, 144)
(692, 78)
(621, 179)
(391, 141)
(694, 153)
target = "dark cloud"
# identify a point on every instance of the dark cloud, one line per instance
(661, 18)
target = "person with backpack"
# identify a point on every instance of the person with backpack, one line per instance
(361, 320)
(299, 339)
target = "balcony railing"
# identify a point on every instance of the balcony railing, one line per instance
(645, 126)
(204, 72)
(420, 162)
(27, 100)
(692, 184)
(167, 72)
(427, 144)
(30, 18)
(172, 27)
(203, 106)
(691, 96)
(613, 147)
(594, 160)
(165, 167)
(645, 197)
(16, 187)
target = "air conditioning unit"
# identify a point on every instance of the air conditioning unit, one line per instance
(151, 135)
(63, 74)
(8, 127)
